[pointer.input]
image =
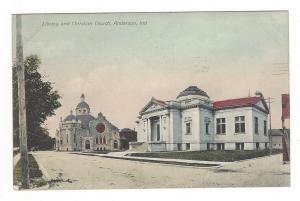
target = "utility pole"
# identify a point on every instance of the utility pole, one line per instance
(270, 122)
(22, 104)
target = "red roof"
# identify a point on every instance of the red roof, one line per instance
(236, 102)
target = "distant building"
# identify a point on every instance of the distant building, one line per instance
(84, 132)
(127, 135)
(277, 137)
(194, 122)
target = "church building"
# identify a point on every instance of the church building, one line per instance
(84, 132)
(194, 122)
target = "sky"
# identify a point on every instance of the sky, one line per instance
(121, 60)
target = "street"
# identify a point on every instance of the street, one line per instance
(72, 171)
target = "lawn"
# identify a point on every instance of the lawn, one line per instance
(35, 173)
(222, 156)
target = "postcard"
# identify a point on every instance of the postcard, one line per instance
(151, 100)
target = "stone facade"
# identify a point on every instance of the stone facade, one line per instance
(84, 132)
(194, 122)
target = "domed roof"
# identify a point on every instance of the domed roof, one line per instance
(85, 119)
(192, 90)
(70, 117)
(83, 104)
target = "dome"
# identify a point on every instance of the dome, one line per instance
(70, 117)
(85, 119)
(83, 104)
(192, 90)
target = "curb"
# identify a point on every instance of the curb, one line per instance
(186, 163)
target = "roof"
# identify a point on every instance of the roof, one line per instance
(192, 90)
(159, 102)
(85, 119)
(155, 101)
(236, 102)
(70, 117)
(126, 130)
(83, 104)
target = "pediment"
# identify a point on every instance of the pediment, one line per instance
(153, 105)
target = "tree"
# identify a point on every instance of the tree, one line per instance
(41, 102)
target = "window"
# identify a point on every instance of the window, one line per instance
(67, 139)
(240, 124)
(101, 140)
(207, 128)
(221, 126)
(74, 138)
(265, 127)
(256, 125)
(257, 145)
(220, 146)
(266, 145)
(209, 146)
(179, 146)
(104, 140)
(188, 146)
(188, 128)
(239, 146)
(97, 140)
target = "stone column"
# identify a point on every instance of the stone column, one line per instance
(149, 129)
(160, 128)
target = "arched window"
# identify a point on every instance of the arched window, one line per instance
(96, 140)
(115, 144)
(104, 140)
(101, 140)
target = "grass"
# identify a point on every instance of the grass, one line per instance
(35, 174)
(222, 156)
(98, 152)
(102, 151)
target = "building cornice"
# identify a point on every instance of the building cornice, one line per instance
(242, 106)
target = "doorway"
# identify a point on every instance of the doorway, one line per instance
(87, 144)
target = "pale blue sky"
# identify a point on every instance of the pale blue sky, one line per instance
(121, 67)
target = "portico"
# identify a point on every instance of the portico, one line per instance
(155, 132)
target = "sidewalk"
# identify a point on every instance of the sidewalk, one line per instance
(125, 156)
